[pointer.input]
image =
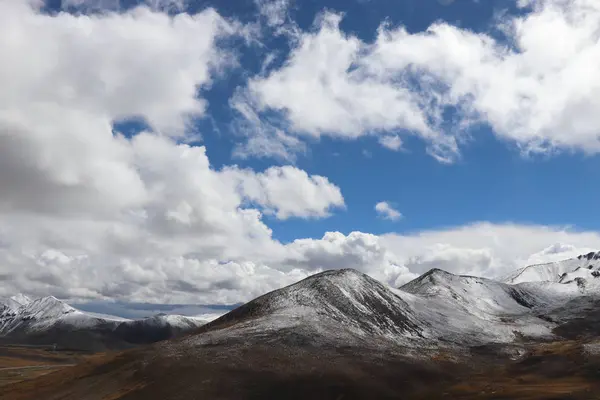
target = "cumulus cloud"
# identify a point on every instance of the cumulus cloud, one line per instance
(489, 250)
(392, 142)
(274, 11)
(264, 139)
(533, 86)
(386, 211)
(69, 78)
(88, 213)
(362, 251)
(324, 91)
(288, 192)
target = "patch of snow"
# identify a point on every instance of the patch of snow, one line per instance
(20, 299)
(25, 315)
(208, 317)
(554, 271)
(592, 348)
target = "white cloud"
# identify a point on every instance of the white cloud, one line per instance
(362, 251)
(489, 250)
(263, 138)
(274, 11)
(480, 249)
(535, 88)
(392, 142)
(69, 78)
(88, 213)
(321, 96)
(116, 5)
(386, 211)
(288, 192)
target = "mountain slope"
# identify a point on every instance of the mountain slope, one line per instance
(341, 334)
(463, 310)
(470, 292)
(341, 305)
(13, 303)
(435, 310)
(49, 321)
(554, 271)
(157, 328)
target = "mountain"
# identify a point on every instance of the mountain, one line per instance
(333, 306)
(157, 328)
(14, 302)
(341, 334)
(49, 321)
(436, 310)
(585, 266)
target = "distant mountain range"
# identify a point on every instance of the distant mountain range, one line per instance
(435, 310)
(49, 321)
(586, 266)
(339, 306)
(341, 334)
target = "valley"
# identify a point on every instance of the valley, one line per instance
(20, 363)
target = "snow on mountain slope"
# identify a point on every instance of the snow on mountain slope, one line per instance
(43, 313)
(341, 306)
(157, 328)
(469, 292)
(13, 303)
(45, 308)
(553, 272)
(21, 299)
(346, 306)
(467, 309)
(55, 320)
(176, 321)
(208, 317)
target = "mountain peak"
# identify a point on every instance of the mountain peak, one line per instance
(429, 278)
(47, 307)
(344, 301)
(340, 276)
(21, 299)
(556, 271)
(437, 272)
(13, 303)
(590, 256)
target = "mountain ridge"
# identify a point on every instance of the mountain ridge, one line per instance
(343, 334)
(48, 320)
(553, 271)
(436, 308)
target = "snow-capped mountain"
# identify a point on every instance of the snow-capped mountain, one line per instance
(14, 302)
(48, 320)
(468, 310)
(436, 309)
(585, 266)
(346, 306)
(334, 305)
(157, 328)
(343, 321)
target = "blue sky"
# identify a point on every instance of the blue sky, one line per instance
(186, 153)
(492, 181)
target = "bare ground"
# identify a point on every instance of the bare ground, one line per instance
(556, 371)
(19, 363)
